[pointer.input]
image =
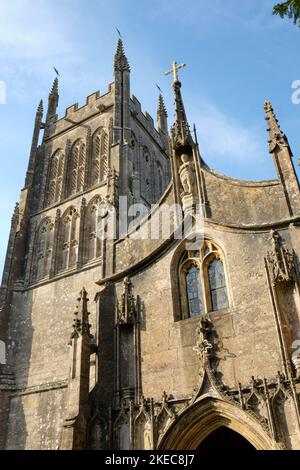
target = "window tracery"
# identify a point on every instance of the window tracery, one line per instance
(55, 178)
(100, 153)
(43, 250)
(203, 285)
(69, 239)
(77, 168)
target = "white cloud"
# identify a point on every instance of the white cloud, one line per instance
(30, 31)
(222, 136)
(36, 35)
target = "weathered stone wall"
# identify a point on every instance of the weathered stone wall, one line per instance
(246, 203)
(136, 322)
(248, 342)
(36, 420)
(40, 329)
(246, 337)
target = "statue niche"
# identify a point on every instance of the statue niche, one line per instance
(187, 175)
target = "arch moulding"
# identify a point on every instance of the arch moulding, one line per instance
(206, 416)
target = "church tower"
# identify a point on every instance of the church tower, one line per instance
(115, 332)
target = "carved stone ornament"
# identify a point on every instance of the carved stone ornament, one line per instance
(281, 261)
(187, 175)
(296, 363)
(127, 304)
(276, 136)
(81, 325)
(203, 346)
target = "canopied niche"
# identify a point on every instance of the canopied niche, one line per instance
(127, 341)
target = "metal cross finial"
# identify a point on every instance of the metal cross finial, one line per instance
(174, 70)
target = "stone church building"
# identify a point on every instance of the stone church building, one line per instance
(117, 337)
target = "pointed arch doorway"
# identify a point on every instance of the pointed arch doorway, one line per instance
(211, 422)
(225, 439)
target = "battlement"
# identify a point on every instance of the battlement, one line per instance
(75, 114)
(145, 119)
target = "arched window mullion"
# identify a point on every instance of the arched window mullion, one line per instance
(217, 284)
(74, 169)
(96, 158)
(104, 155)
(66, 242)
(81, 167)
(206, 289)
(192, 289)
(213, 293)
(43, 251)
(92, 232)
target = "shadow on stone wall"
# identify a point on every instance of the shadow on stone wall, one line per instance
(20, 334)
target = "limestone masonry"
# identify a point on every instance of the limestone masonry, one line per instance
(142, 342)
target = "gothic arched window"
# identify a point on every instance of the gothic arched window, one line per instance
(202, 281)
(217, 284)
(43, 250)
(55, 178)
(69, 239)
(77, 168)
(194, 291)
(100, 153)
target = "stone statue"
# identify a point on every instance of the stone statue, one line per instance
(187, 174)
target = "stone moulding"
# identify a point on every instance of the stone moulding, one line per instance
(18, 392)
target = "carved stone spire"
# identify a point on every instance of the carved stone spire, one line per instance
(161, 106)
(81, 326)
(77, 402)
(162, 115)
(184, 160)
(282, 156)
(53, 100)
(276, 136)
(162, 121)
(181, 131)
(182, 140)
(121, 62)
(122, 119)
(54, 90)
(34, 145)
(40, 109)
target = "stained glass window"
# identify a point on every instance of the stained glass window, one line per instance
(194, 291)
(218, 288)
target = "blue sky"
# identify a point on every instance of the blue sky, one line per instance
(237, 56)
